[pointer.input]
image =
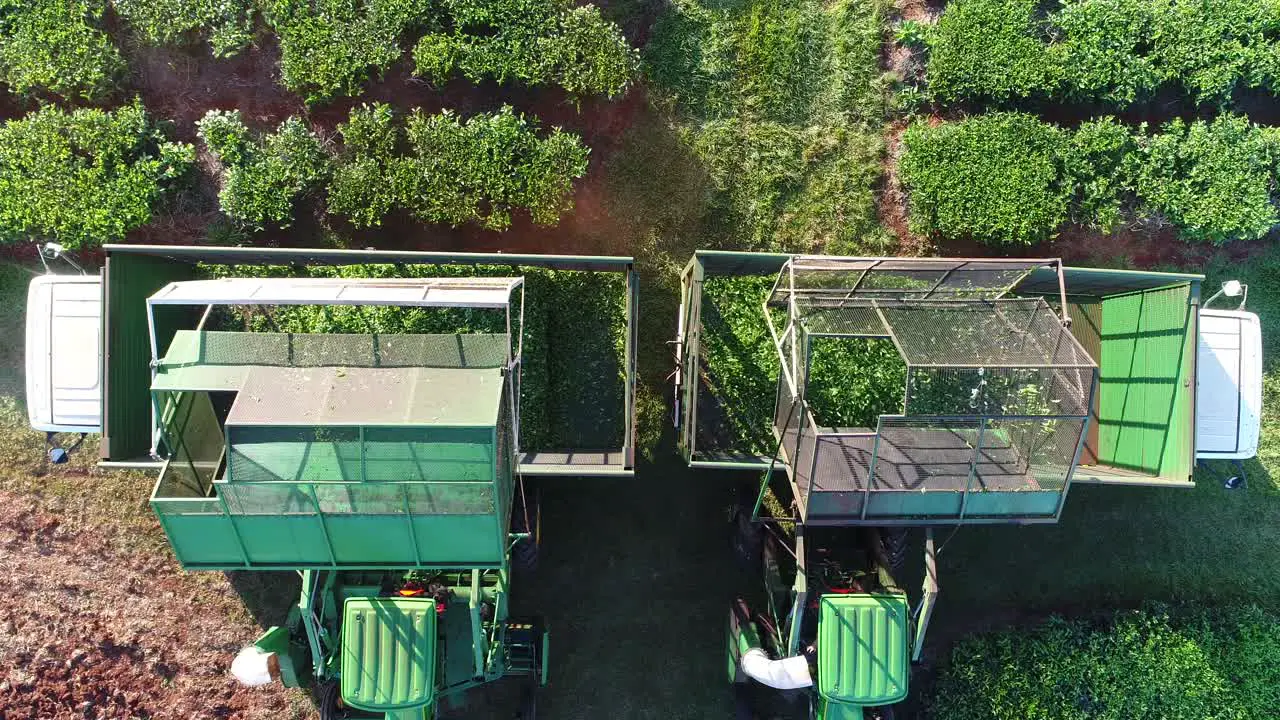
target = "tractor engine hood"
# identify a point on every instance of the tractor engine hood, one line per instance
(863, 648)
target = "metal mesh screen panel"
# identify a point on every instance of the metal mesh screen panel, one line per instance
(916, 454)
(843, 461)
(823, 280)
(317, 453)
(843, 320)
(952, 455)
(360, 498)
(451, 499)
(1024, 332)
(191, 430)
(993, 392)
(336, 454)
(468, 350)
(788, 418)
(438, 454)
(186, 506)
(268, 499)
(1046, 447)
(356, 498)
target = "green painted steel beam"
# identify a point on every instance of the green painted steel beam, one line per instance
(759, 464)
(321, 256)
(1103, 282)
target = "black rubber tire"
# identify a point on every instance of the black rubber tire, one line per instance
(743, 705)
(528, 702)
(894, 542)
(524, 555)
(884, 712)
(327, 701)
(748, 540)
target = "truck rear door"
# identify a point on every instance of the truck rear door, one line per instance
(64, 354)
(1228, 385)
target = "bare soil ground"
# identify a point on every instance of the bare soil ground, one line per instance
(94, 632)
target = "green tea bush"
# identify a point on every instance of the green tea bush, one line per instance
(1009, 178)
(1213, 46)
(444, 169)
(1102, 164)
(83, 177)
(1000, 179)
(574, 339)
(535, 42)
(782, 102)
(226, 24)
(1214, 180)
(330, 48)
(1148, 665)
(263, 178)
(1104, 49)
(990, 50)
(1113, 51)
(58, 46)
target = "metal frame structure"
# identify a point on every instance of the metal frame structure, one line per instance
(356, 520)
(145, 269)
(1108, 308)
(284, 516)
(943, 317)
(483, 293)
(1116, 317)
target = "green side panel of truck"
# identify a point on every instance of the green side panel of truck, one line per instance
(1147, 382)
(128, 280)
(863, 649)
(388, 653)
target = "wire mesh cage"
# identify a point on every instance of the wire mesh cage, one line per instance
(987, 393)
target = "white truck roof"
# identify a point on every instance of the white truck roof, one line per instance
(1228, 385)
(64, 353)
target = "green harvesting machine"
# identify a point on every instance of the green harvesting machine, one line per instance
(385, 462)
(874, 395)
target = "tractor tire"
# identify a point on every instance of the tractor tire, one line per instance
(524, 555)
(894, 542)
(528, 702)
(884, 712)
(748, 540)
(327, 694)
(743, 705)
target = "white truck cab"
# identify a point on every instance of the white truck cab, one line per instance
(64, 353)
(1228, 385)
(1228, 380)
